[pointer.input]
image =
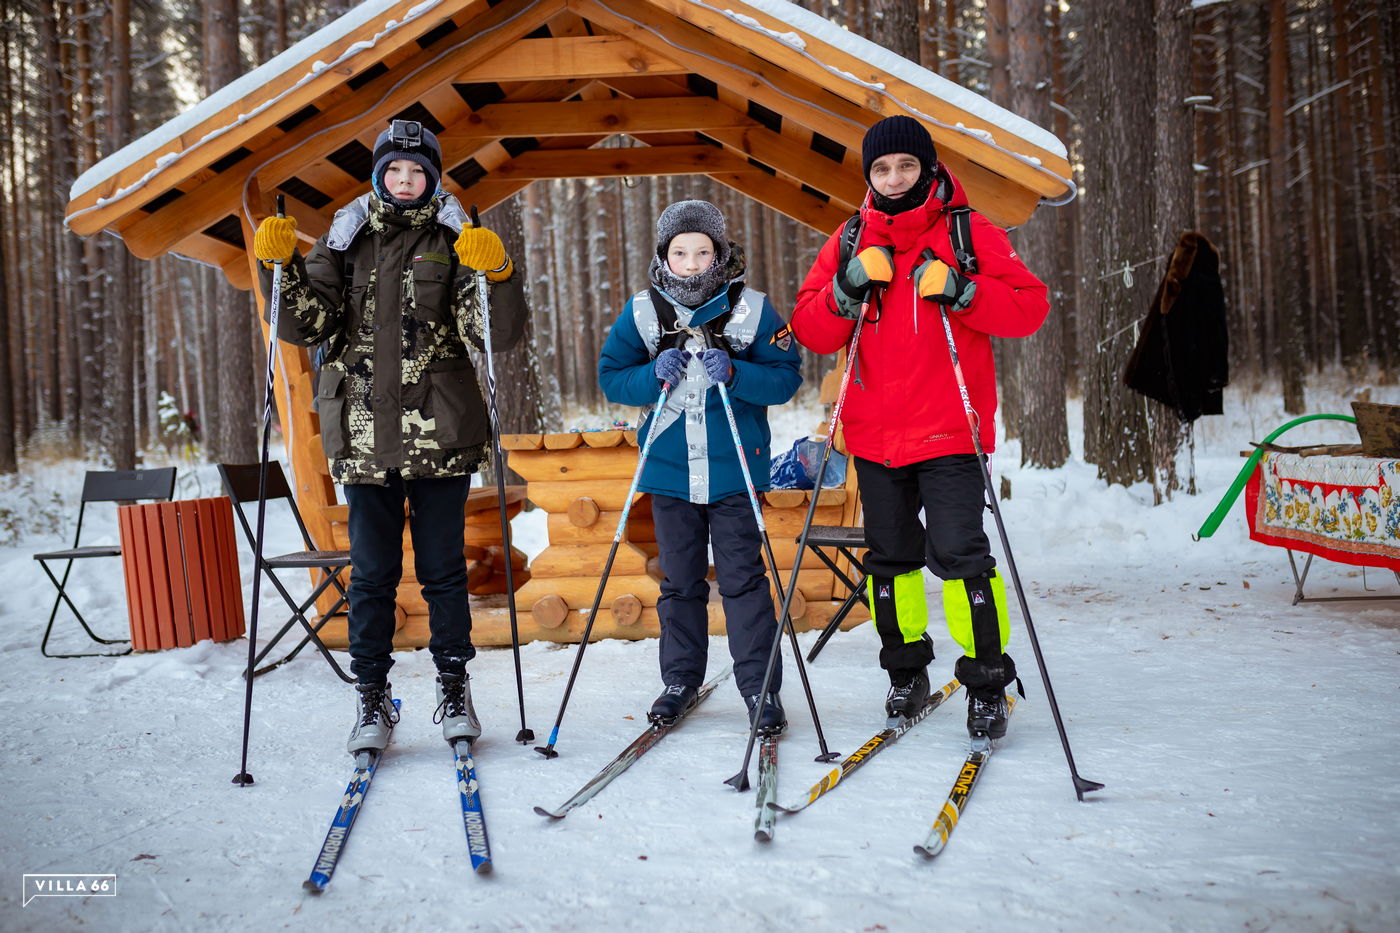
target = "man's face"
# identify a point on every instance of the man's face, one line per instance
(405, 180)
(893, 175)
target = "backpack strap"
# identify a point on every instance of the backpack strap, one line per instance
(673, 337)
(850, 238)
(960, 237)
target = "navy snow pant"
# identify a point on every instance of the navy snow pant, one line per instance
(436, 508)
(682, 531)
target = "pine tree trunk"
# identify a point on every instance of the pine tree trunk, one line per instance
(1117, 229)
(1042, 427)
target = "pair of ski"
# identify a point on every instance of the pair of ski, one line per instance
(366, 763)
(769, 808)
(894, 729)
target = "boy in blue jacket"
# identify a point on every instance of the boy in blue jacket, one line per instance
(698, 326)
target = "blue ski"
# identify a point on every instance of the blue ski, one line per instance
(473, 817)
(366, 763)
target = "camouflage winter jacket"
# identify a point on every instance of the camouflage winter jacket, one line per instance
(384, 291)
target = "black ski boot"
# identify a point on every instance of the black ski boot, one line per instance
(908, 693)
(771, 718)
(986, 713)
(986, 683)
(675, 701)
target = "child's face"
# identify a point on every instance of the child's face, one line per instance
(690, 253)
(405, 180)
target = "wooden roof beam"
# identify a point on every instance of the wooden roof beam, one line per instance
(615, 163)
(570, 57)
(326, 132)
(592, 117)
(799, 205)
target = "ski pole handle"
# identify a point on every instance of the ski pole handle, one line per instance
(281, 205)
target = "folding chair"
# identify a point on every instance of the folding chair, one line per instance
(241, 484)
(101, 486)
(845, 541)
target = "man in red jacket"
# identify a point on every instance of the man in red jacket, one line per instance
(903, 415)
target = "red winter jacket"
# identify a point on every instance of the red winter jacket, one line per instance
(903, 405)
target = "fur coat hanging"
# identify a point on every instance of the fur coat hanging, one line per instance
(1182, 354)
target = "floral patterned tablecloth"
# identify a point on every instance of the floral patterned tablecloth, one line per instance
(1345, 509)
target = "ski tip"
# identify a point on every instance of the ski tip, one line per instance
(778, 807)
(313, 886)
(762, 835)
(926, 851)
(482, 868)
(549, 813)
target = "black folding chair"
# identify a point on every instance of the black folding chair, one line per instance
(241, 484)
(102, 486)
(845, 541)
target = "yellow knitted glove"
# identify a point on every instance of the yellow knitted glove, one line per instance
(276, 239)
(482, 250)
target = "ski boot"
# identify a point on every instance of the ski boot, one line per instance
(771, 718)
(986, 713)
(374, 718)
(675, 701)
(908, 693)
(454, 709)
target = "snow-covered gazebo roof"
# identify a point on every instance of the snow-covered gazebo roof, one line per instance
(760, 95)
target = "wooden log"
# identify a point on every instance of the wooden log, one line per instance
(654, 569)
(563, 531)
(478, 572)
(583, 512)
(498, 561)
(587, 560)
(473, 552)
(797, 609)
(522, 441)
(627, 609)
(785, 498)
(588, 464)
(550, 611)
(567, 441)
(553, 496)
(579, 591)
(497, 584)
(602, 438)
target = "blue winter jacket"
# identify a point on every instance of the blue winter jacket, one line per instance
(693, 457)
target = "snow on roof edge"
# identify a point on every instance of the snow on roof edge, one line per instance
(236, 90)
(884, 60)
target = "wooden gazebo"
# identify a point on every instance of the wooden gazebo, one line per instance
(759, 95)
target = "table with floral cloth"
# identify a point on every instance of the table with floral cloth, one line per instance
(1346, 509)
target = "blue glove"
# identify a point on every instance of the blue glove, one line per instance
(718, 369)
(671, 364)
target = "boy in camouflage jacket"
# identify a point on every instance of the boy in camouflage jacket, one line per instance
(391, 293)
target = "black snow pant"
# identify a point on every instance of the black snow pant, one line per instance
(949, 541)
(683, 529)
(436, 510)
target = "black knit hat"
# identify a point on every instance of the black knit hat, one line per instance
(407, 139)
(897, 134)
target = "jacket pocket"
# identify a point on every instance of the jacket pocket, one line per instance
(459, 415)
(431, 280)
(330, 405)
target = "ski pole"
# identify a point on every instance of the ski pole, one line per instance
(826, 753)
(525, 735)
(740, 781)
(243, 778)
(548, 750)
(1082, 785)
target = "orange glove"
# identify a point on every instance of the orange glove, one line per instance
(275, 240)
(940, 282)
(872, 266)
(482, 250)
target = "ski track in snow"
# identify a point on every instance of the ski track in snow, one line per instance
(1248, 748)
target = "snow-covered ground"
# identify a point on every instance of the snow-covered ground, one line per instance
(1249, 748)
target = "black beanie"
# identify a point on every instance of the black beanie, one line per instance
(426, 153)
(897, 134)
